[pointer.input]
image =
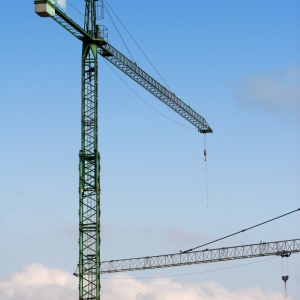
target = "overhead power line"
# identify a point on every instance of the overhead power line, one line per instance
(227, 236)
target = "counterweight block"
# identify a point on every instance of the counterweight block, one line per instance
(45, 8)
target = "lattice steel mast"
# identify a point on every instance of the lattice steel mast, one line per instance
(89, 166)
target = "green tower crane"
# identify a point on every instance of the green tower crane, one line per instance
(94, 41)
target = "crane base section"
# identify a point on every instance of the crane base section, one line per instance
(45, 8)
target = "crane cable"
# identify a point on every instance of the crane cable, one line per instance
(146, 101)
(206, 183)
(285, 278)
(240, 231)
(137, 45)
(119, 33)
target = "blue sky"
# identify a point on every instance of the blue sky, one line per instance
(235, 62)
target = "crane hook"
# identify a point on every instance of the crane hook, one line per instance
(285, 279)
(204, 147)
(285, 254)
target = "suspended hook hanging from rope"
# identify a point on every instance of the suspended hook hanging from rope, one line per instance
(206, 183)
(285, 278)
(204, 147)
(285, 254)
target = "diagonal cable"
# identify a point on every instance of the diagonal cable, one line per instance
(240, 231)
(138, 46)
(146, 101)
(119, 33)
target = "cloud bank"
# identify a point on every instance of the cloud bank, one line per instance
(165, 289)
(36, 282)
(274, 92)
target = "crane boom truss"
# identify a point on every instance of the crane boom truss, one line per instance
(200, 257)
(131, 69)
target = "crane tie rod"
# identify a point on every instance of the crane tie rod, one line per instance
(240, 231)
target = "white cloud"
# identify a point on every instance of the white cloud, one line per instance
(165, 289)
(36, 282)
(276, 92)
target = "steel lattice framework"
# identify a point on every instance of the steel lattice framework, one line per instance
(201, 257)
(89, 180)
(89, 167)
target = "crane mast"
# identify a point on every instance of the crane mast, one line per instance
(89, 166)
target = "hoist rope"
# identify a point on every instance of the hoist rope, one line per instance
(227, 236)
(285, 276)
(138, 46)
(206, 183)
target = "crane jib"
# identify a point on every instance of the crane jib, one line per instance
(278, 248)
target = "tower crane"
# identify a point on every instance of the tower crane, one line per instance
(94, 41)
